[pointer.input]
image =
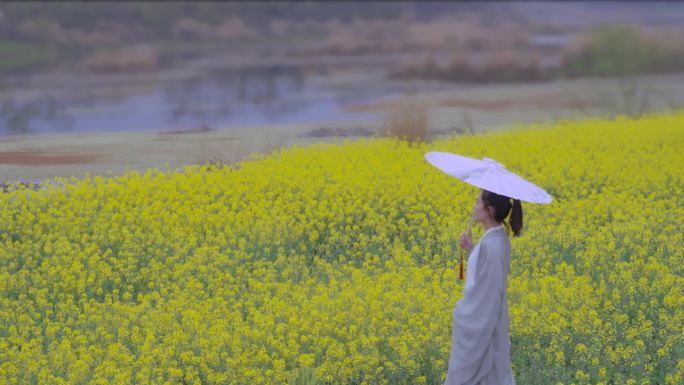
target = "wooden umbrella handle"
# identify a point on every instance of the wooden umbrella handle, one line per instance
(460, 268)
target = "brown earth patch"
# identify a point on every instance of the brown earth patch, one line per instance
(37, 158)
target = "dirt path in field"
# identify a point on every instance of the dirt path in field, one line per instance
(35, 158)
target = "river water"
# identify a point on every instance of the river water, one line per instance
(212, 96)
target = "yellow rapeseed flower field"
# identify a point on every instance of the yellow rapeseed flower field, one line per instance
(342, 258)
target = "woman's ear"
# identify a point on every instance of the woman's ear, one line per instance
(491, 211)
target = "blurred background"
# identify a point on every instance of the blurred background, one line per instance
(106, 87)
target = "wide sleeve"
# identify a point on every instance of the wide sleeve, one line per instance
(476, 315)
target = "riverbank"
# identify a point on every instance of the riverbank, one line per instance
(461, 109)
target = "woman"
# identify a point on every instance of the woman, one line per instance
(480, 344)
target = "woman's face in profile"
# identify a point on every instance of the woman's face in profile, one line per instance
(480, 212)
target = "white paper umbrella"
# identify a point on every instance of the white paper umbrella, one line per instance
(488, 174)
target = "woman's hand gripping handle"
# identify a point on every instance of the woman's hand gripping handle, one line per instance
(466, 243)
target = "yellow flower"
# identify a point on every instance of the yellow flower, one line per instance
(340, 257)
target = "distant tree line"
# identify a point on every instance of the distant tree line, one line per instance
(159, 17)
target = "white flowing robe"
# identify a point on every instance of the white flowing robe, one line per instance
(480, 343)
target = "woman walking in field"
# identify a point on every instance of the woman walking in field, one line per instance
(480, 342)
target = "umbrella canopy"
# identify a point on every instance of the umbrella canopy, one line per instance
(489, 175)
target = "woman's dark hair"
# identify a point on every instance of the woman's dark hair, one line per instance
(502, 207)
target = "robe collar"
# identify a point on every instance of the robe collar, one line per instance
(494, 228)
